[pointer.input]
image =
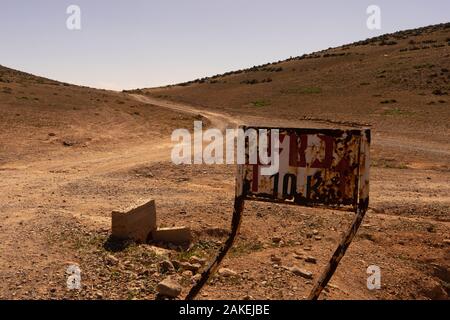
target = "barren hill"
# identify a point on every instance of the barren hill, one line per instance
(397, 83)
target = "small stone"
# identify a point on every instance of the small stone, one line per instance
(333, 286)
(176, 264)
(297, 256)
(276, 239)
(166, 266)
(68, 143)
(275, 258)
(111, 260)
(248, 297)
(196, 278)
(307, 248)
(300, 272)
(195, 259)
(194, 267)
(99, 295)
(225, 272)
(447, 241)
(311, 260)
(169, 288)
(315, 232)
(187, 274)
(318, 238)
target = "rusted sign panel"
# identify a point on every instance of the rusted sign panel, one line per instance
(316, 167)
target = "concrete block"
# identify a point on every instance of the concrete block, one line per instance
(136, 223)
(180, 235)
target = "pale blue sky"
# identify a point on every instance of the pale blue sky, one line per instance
(137, 43)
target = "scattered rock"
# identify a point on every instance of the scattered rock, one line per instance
(275, 258)
(187, 274)
(297, 256)
(333, 286)
(195, 259)
(135, 223)
(300, 272)
(176, 264)
(225, 272)
(169, 288)
(248, 297)
(194, 267)
(196, 277)
(111, 260)
(276, 239)
(159, 252)
(68, 143)
(311, 260)
(315, 232)
(318, 238)
(166, 266)
(176, 235)
(446, 241)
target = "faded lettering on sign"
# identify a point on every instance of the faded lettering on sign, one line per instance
(317, 167)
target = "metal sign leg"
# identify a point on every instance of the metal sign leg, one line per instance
(337, 256)
(235, 225)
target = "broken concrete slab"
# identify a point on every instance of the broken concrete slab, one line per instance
(135, 223)
(178, 235)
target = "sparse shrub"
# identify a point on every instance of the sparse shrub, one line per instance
(388, 43)
(439, 92)
(388, 101)
(251, 82)
(397, 112)
(7, 89)
(261, 103)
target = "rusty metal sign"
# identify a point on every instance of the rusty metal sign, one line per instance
(326, 168)
(317, 167)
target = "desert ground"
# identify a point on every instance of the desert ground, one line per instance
(70, 155)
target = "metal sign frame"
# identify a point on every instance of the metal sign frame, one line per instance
(359, 204)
